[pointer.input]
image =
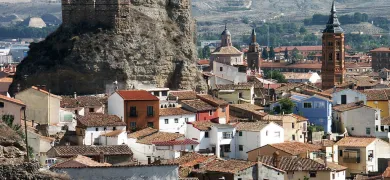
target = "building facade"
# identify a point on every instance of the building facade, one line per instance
(254, 53)
(380, 58)
(333, 63)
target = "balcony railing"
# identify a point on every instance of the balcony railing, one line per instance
(351, 160)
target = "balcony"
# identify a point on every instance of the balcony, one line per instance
(351, 160)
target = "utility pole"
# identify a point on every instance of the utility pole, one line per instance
(25, 131)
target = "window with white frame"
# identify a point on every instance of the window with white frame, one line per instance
(166, 121)
(227, 135)
(176, 120)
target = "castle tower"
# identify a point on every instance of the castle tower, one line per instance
(253, 55)
(226, 38)
(333, 54)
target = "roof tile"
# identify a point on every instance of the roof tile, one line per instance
(350, 141)
(212, 100)
(251, 126)
(67, 151)
(198, 105)
(182, 95)
(173, 111)
(137, 95)
(292, 163)
(12, 100)
(175, 142)
(159, 137)
(99, 120)
(142, 133)
(79, 161)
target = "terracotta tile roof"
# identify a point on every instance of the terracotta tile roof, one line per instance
(142, 133)
(45, 92)
(361, 81)
(113, 133)
(233, 86)
(294, 75)
(386, 174)
(381, 49)
(198, 105)
(358, 65)
(212, 100)
(324, 143)
(68, 151)
(385, 121)
(159, 137)
(227, 166)
(99, 120)
(291, 163)
(12, 100)
(288, 87)
(175, 142)
(80, 101)
(251, 126)
(299, 118)
(173, 111)
(295, 148)
(182, 95)
(78, 161)
(203, 62)
(249, 107)
(234, 118)
(202, 125)
(291, 66)
(350, 141)
(376, 94)
(349, 106)
(227, 50)
(137, 95)
(333, 166)
(191, 159)
(284, 117)
(6, 80)
(325, 95)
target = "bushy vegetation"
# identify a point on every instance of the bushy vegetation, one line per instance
(285, 106)
(320, 19)
(275, 75)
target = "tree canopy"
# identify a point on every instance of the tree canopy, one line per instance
(275, 75)
(285, 106)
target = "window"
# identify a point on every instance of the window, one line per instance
(186, 119)
(150, 111)
(223, 109)
(240, 95)
(376, 128)
(156, 93)
(113, 128)
(341, 153)
(220, 68)
(227, 135)
(307, 105)
(277, 134)
(370, 155)
(1, 104)
(240, 147)
(266, 133)
(176, 120)
(333, 176)
(210, 113)
(368, 131)
(97, 129)
(133, 124)
(293, 137)
(150, 124)
(376, 117)
(352, 128)
(319, 104)
(76, 112)
(292, 125)
(91, 109)
(382, 128)
(313, 174)
(206, 134)
(337, 56)
(240, 133)
(133, 111)
(166, 121)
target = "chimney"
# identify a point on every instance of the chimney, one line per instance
(75, 95)
(101, 157)
(276, 159)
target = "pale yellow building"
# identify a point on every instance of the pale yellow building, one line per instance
(12, 107)
(295, 126)
(41, 106)
(236, 93)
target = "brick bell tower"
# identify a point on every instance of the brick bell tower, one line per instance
(333, 54)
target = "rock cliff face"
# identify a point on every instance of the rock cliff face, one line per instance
(12, 153)
(154, 47)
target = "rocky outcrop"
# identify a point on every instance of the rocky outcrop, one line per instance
(12, 159)
(155, 48)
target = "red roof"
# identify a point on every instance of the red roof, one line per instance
(203, 62)
(178, 142)
(12, 100)
(272, 86)
(137, 95)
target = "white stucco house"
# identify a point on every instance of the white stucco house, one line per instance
(100, 129)
(174, 120)
(149, 145)
(213, 138)
(347, 96)
(251, 135)
(356, 118)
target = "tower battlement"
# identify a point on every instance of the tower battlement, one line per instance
(106, 13)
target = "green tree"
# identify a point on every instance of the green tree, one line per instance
(295, 55)
(264, 54)
(286, 56)
(285, 106)
(200, 53)
(276, 75)
(358, 17)
(302, 30)
(206, 52)
(271, 53)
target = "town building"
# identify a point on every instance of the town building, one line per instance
(115, 154)
(346, 96)
(182, 95)
(295, 127)
(296, 149)
(227, 74)
(236, 93)
(360, 154)
(82, 105)
(213, 138)
(384, 74)
(11, 108)
(247, 111)
(160, 93)
(251, 135)
(254, 53)
(333, 63)
(310, 77)
(44, 112)
(100, 129)
(380, 58)
(356, 118)
(137, 108)
(222, 107)
(378, 99)
(227, 53)
(203, 110)
(303, 67)
(384, 129)
(174, 120)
